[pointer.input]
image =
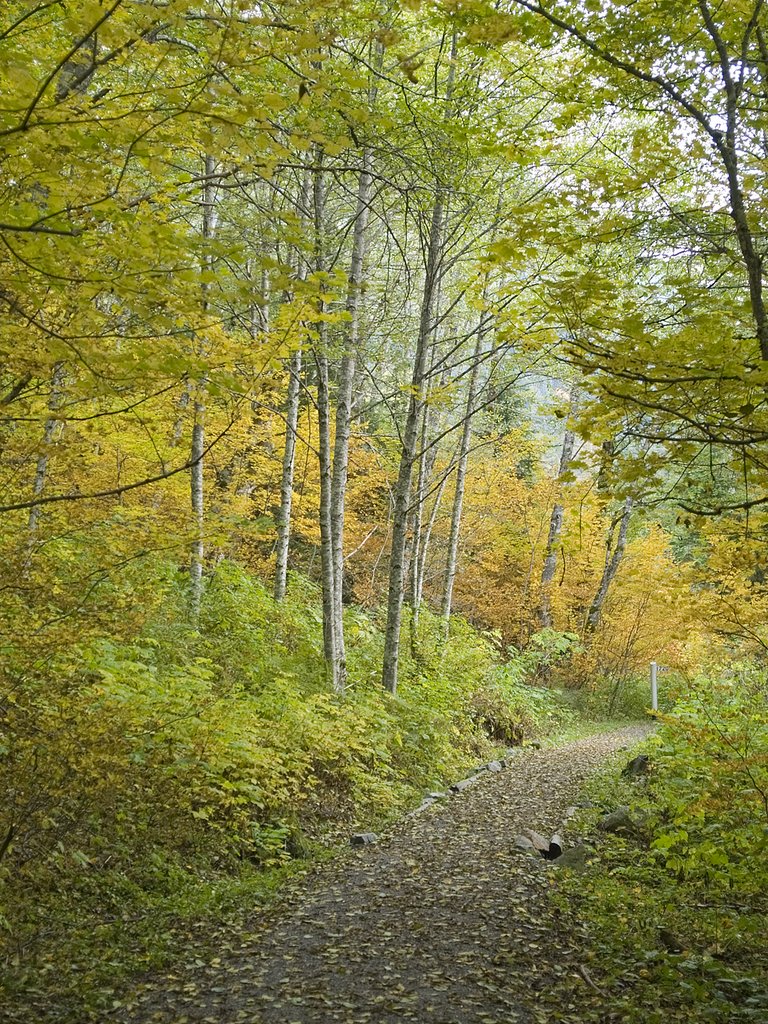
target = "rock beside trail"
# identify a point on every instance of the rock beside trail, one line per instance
(462, 784)
(538, 841)
(524, 843)
(638, 766)
(534, 842)
(363, 839)
(575, 859)
(619, 821)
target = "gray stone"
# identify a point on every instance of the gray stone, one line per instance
(437, 796)
(618, 821)
(575, 859)
(363, 839)
(421, 808)
(462, 784)
(494, 766)
(524, 844)
(538, 840)
(639, 765)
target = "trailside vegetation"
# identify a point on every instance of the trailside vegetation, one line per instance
(382, 384)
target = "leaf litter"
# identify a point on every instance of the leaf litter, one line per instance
(444, 920)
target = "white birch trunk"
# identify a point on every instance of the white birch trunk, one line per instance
(344, 402)
(556, 524)
(291, 434)
(612, 562)
(461, 470)
(197, 548)
(327, 574)
(286, 479)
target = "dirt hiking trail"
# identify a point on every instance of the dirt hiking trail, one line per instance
(443, 921)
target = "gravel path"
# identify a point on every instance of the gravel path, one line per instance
(442, 922)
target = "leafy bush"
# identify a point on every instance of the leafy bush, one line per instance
(141, 766)
(677, 912)
(712, 790)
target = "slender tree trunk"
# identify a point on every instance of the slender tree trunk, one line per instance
(414, 563)
(402, 489)
(612, 562)
(427, 457)
(346, 380)
(344, 403)
(291, 434)
(424, 547)
(327, 565)
(556, 523)
(461, 468)
(286, 479)
(330, 635)
(197, 496)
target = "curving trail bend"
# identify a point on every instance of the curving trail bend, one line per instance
(443, 921)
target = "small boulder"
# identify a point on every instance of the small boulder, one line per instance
(462, 784)
(524, 844)
(639, 765)
(539, 842)
(437, 796)
(363, 839)
(575, 858)
(618, 821)
(494, 766)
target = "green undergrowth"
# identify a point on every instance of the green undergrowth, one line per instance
(160, 782)
(675, 908)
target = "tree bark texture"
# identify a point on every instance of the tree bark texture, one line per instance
(556, 523)
(613, 557)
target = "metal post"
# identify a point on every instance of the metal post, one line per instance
(654, 687)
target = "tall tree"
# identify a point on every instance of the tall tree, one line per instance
(402, 489)
(282, 546)
(197, 452)
(556, 517)
(613, 556)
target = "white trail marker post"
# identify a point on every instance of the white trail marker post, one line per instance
(654, 687)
